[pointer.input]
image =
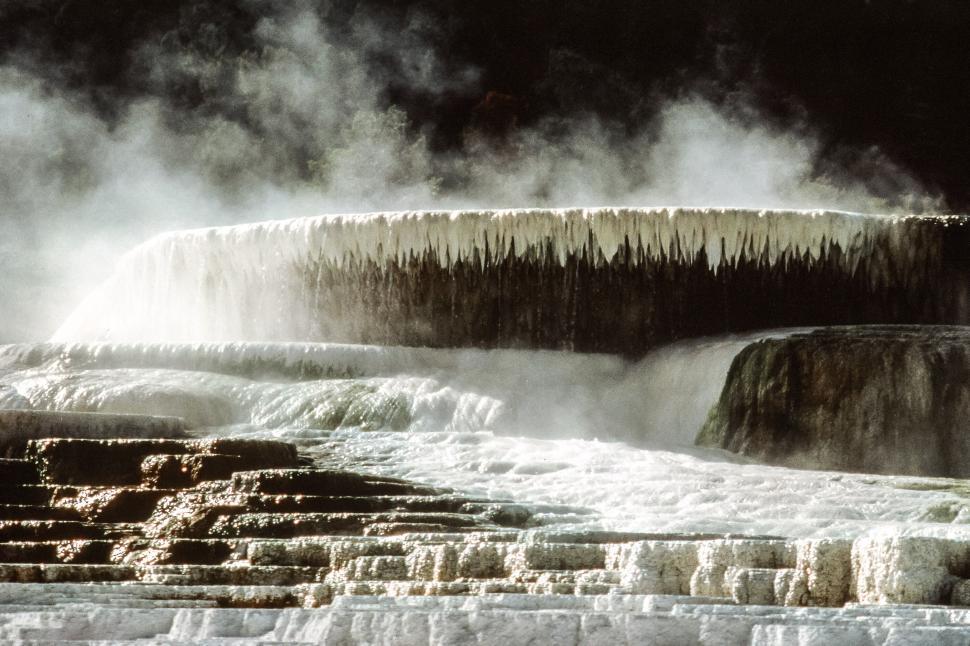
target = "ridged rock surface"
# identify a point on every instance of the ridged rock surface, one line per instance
(590, 280)
(213, 540)
(888, 400)
(17, 427)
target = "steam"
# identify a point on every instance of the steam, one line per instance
(305, 126)
(660, 400)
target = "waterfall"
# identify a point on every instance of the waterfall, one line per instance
(661, 399)
(594, 280)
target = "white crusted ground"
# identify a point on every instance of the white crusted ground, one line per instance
(683, 490)
(714, 592)
(503, 424)
(844, 540)
(658, 620)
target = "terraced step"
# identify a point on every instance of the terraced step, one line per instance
(324, 482)
(263, 454)
(159, 614)
(319, 551)
(169, 575)
(179, 552)
(37, 512)
(17, 427)
(111, 504)
(323, 504)
(507, 514)
(193, 513)
(64, 573)
(21, 552)
(96, 462)
(400, 528)
(53, 530)
(816, 572)
(500, 513)
(18, 472)
(97, 552)
(128, 594)
(167, 462)
(288, 525)
(26, 494)
(184, 471)
(70, 551)
(242, 575)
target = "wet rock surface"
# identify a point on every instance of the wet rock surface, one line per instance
(180, 512)
(618, 280)
(17, 427)
(241, 527)
(888, 400)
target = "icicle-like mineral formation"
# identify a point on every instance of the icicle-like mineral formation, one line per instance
(614, 280)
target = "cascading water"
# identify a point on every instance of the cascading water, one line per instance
(438, 369)
(661, 399)
(610, 438)
(536, 425)
(601, 280)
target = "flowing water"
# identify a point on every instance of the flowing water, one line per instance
(589, 441)
(222, 326)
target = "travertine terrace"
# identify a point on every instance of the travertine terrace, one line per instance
(533, 278)
(232, 538)
(501, 427)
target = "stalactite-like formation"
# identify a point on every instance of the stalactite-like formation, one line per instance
(601, 280)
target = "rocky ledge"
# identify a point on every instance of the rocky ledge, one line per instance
(193, 511)
(184, 540)
(17, 427)
(886, 399)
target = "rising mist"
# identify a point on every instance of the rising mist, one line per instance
(313, 116)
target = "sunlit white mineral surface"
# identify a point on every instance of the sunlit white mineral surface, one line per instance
(592, 442)
(588, 442)
(250, 282)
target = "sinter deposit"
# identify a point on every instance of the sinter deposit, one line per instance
(580, 426)
(601, 280)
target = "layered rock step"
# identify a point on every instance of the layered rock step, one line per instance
(315, 571)
(183, 512)
(226, 522)
(17, 427)
(131, 613)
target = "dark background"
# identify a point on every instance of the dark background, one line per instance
(892, 74)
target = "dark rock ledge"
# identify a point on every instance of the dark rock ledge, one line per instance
(184, 511)
(19, 426)
(871, 399)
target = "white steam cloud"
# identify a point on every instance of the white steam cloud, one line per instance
(78, 191)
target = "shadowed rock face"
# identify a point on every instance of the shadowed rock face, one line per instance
(17, 427)
(125, 509)
(892, 400)
(626, 305)
(589, 280)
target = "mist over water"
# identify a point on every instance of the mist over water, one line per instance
(312, 119)
(660, 400)
(587, 441)
(350, 320)
(306, 127)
